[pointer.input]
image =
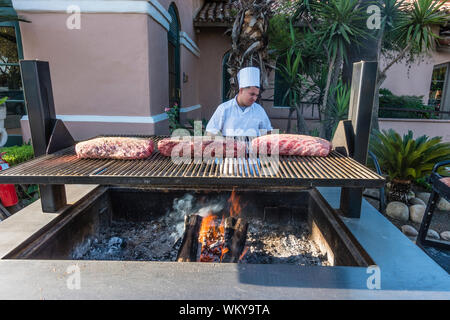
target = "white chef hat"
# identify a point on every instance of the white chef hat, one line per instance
(248, 77)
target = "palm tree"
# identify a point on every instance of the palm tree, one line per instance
(249, 41)
(340, 24)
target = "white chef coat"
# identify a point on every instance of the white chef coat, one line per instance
(230, 120)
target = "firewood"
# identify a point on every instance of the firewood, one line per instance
(228, 236)
(189, 244)
(238, 240)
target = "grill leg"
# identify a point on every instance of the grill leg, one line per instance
(53, 197)
(351, 200)
(41, 113)
(360, 114)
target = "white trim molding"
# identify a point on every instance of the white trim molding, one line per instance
(151, 7)
(192, 108)
(112, 119)
(189, 43)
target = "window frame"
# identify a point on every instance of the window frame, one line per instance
(15, 25)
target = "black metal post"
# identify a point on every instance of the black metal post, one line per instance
(42, 118)
(360, 114)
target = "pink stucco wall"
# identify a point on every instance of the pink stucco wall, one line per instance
(92, 68)
(416, 79)
(213, 45)
(115, 65)
(419, 127)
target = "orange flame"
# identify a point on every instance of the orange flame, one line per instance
(243, 253)
(235, 208)
(223, 252)
(211, 236)
(208, 226)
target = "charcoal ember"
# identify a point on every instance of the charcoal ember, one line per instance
(291, 145)
(121, 148)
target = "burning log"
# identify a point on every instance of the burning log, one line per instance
(224, 243)
(228, 236)
(189, 244)
(237, 241)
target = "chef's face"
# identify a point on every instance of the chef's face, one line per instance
(248, 96)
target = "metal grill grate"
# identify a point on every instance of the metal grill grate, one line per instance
(64, 167)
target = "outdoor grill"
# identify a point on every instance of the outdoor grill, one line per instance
(56, 163)
(63, 167)
(279, 190)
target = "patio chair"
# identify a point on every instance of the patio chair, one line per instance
(440, 188)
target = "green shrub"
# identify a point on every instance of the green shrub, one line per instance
(389, 100)
(17, 154)
(405, 158)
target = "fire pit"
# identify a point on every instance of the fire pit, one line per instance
(148, 224)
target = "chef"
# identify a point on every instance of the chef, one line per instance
(241, 116)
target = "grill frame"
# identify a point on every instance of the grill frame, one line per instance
(50, 134)
(63, 167)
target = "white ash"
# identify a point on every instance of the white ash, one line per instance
(124, 240)
(156, 240)
(160, 239)
(271, 244)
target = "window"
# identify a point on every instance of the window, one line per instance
(437, 87)
(280, 88)
(173, 37)
(10, 79)
(225, 78)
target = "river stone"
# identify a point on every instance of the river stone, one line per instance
(445, 235)
(411, 195)
(397, 210)
(432, 234)
(409, 231)
(443, 205)
(424, 196)
(413, 239)
(413, 201)
(416, 213)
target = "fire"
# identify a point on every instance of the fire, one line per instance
(211, 235)
(235, 207)
(243, 253)
(211, 239)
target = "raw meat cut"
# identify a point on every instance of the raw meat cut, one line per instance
(115, 148)
(292, 145)
(207, 146)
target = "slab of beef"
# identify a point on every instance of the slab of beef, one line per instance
(115, 148)
(292, 145)
(207, 147)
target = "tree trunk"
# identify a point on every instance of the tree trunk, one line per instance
(288, 128)
(301, 123)
(249, 42)
(325, 98)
